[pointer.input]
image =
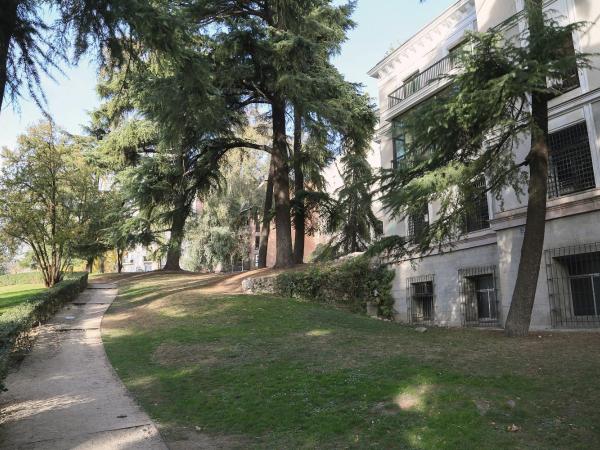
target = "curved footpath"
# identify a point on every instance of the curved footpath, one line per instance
(66, 395)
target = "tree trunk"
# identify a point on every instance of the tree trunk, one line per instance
(281, 187)
(89, 265)
(299, 212)
(521, 307)
(266, 221)
(176, 239)
(8, 22)
(119, 261)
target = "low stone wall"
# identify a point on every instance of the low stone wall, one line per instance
(260, 285)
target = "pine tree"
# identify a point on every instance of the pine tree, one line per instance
(276, 53)
(31, 44)
(352, 222)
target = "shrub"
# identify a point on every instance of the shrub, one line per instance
(351, 284)
(18, 321)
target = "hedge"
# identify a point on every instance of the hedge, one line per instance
(352, 284)
(19, 320)
(21, 278)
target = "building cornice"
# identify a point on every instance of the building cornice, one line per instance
(571, 205)
(453, 15)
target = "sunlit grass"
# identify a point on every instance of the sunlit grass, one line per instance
(274, 373)
(11, 296)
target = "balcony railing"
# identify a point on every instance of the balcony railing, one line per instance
(425, 78)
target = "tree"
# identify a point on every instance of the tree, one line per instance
(265, 228)
(274, 53)
(352, 221)
(32, 44)
(221, 231)
(162, 116)
(497, 99)
(43, 184)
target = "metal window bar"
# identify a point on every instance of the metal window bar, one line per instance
(420, 299)
(573, 275)
(478, 218)
(479, 296)
(570, 167)
(423, 79)
(417, 224)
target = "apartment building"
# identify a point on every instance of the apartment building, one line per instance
(472, 284)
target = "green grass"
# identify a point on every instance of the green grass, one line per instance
(260, 372)
(11, 296)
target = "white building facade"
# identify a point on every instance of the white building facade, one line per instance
(472, 284)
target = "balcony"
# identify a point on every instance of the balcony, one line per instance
(422, 80)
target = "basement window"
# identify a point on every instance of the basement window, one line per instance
(420, 299)
(479, 296)
(574, 285)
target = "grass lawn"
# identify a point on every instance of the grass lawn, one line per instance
(13, 295)
(236, 371)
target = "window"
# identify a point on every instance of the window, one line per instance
(574, 285)
(421, 299)
(584, 279)
(399, 150)
(478, 296)
(570, 167)
(570, 80)
(418, 223)
(400, 141)
(486, 297)
(478, 217)
(458, 48)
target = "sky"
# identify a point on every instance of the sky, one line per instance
(381, 25)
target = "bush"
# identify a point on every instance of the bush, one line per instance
(21, 278)
(19, 320)
(351, 284)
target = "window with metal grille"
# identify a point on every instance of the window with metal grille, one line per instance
(570, 168)
(479, 296)
(418, 223)
(420, 299)
(574, 285)
(478, 216)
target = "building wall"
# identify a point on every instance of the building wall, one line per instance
(139, 260)
(571, 219)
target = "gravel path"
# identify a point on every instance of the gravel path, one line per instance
(66, 394)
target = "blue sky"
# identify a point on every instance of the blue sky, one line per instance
(381, 25)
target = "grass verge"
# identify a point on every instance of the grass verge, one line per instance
(236, 371)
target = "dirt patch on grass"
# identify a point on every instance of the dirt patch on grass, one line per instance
(171, 354)
(181, 438)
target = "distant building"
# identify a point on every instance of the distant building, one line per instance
(140, 259)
